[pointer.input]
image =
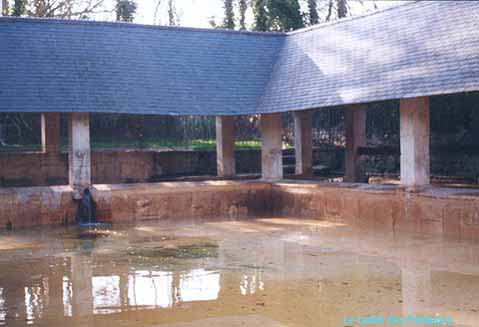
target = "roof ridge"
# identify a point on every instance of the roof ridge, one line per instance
(42, 20)
(351, 18)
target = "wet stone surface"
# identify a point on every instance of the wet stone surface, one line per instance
(263, 272)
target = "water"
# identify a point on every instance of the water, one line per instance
(265, 272)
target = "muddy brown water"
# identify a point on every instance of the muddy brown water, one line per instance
(263, 272)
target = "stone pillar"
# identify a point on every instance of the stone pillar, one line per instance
(82, 288)
(271, 146)
(79, 166)
(50, 125)
(225, 146)
(414, 122)
(303, 142)
(355, 130)
(416, 289)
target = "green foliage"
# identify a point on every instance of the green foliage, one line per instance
(125, 10)
(260, 15)
(197, 144)
(285, 15)
(313, 16)
(342, 6)
(19, 8)
(243, 6)
(229, 20)
(277, 15)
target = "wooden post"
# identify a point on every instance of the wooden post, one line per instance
(414, 122)
(303, 142)
(271, 147)
(355, 129)
(50, 132)
(225, 146)
(79, 162)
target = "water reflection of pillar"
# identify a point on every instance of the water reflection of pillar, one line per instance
(176, 287)
(416, 290)
(124, 289)
(55, 292)
(81, 275)
(14, 296)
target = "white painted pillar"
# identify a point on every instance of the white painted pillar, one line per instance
(355, 130)
(414, 122)
(303, 142)
(50, 132)
(82, 290)
(79, 161)
(271, 146)
(416, 289)
(225, 146)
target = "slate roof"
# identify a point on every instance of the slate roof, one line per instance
(418, 49)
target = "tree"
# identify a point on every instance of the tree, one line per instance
(342, 8)
(285, 15)
(260, 15)
(19, 8)
(229, 20)
(243, 6)
(172, 15)
(65, 9)
(4, 8)
(125, 10)
(313, 12)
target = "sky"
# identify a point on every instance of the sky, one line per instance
(198, 13)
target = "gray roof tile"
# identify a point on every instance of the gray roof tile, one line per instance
(419, 49)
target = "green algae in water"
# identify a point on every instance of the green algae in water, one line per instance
(185, 251)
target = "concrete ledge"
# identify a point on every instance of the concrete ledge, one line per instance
(381, 208)
(32, 206)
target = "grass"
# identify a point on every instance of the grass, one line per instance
(157, 144)
(141, 144)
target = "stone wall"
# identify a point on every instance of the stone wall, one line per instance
(125, 166)
(33, 206)
(382, 208)
(372, 208)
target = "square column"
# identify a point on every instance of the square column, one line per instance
(355, 130)
(303, 142)
(414, 122)
(225, 146)
(50, 130)
(271, 126)
(79, 166)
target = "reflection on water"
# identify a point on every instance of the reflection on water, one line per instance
(36, 299)
(151, 289)
(67, 295)
(251, 283)
(295, 277)
(3, 311)
(106, 294)
(199, 285)
(143, 289)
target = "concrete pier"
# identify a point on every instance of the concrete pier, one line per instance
(79, 154)
(225, 146)
(415, 160)
(271, 147)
